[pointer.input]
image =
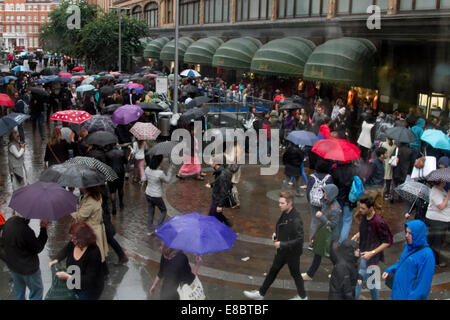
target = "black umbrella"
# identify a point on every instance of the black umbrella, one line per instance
(291, 106)
(95, 164)
(101, 138)
(198, 101)
(194, 114)
(150, 106)
(401, 135)
(10, 121)
(105, 77)
(111, 108)
(439, 175)
(50, 71)
(73, 175)
(120, 85)
(79, 73)
(106, 90)
(38, 91)
(162, 148)
(99, 123)
(63, 80)
(190, 89)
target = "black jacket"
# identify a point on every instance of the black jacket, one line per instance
(117, 159)
(221, 186)
(123, 133)
(292, 160)
(21, 247)
(405, 163)
(289, 231)
(343, 179)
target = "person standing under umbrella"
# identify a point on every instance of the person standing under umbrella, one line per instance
(365, 140)
(16, 157)
(57, 150)
(174, 269)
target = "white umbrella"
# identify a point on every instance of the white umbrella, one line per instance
(190, 73)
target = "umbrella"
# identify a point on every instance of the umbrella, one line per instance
(20, 68)
(436, 138)
(64, 80)
(145, 131)
(401, 135)
(72, 116)
(119, 86)
(411, 190)
(196, 233)
(9, 78)
(66, 134)
(88, 80)
(111, 108)
(40, 81)
(138, 90)
(73, 175)
(101, 138)
(162, 148)
(50, 78)
(43, 200)
(190, 89)
(95, 164)
(105, 77)
(5, 100)
(126, 114)
(10, 121)
(190, 73)
(65, 75)
(291, 106)
(336, 149)
(439, 175)
(38, 91)
(301, 137)
(150, 75)
(149, 106)
(78, 69)
(106, 90)
(79, 73)
(117, 74)
(86, 87)
(99, 123)
(194, 114)
(197, 102)
(134, 85)
(75, 78)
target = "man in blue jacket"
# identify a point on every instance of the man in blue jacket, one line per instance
(415, 269)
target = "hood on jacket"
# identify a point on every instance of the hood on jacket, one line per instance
(332, 192)
(346, 250)
(419, 234)
(420, 123)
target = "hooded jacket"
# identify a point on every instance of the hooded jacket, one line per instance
(414, 273)
(418, 131)
(345, 273)
(331, 210)
(221, 186)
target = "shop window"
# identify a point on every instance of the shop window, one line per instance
(217, 11)
(137, 12)
(253, 10)
(426, 4)
(445, 4)
(189, 12)
(169, 18)
(151, 14)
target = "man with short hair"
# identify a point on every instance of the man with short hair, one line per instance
(374, 236)
(288, 240)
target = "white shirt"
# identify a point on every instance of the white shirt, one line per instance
(139, 153)
(436, 198)
(364, 138)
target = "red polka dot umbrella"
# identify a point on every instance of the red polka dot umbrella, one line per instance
(72, 116)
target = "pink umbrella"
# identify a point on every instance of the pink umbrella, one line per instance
(145, 131)
(78, 78)
(150, 75)
(134, 85)
(65, 75)
(116, 74)
(72, 116)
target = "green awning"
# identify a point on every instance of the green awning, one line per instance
(347, 61)
(236, 53)
(286, 56)
(168, 51)
(153, 49)
(202, 51)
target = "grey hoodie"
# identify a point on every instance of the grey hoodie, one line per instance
(331, 210)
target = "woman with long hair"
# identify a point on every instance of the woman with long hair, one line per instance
(57, 150)
(16, 158)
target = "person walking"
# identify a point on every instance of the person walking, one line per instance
(116, 159)
(16, 161)
(374, 237)
(405, 165)
(21, 248)
(191, 162)
(415, 269)
(19, 107)
(155, 177)
(138, 150)
(388, 169)
(37, 114)
(288, 241)
(365, 140)
(235, 168)
(345, 276)
(293, 159)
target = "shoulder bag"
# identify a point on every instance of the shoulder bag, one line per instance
(193, 291)
(59, 289)
(393, 160)
(390, 279)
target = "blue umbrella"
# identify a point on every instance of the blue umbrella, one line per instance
(40, 81)
(196, 233)
(10, 121)
(50, 78)
(20, 68)
(436, 138)
(190, 73)
(138, 90)
(301, 137)
(85, 87)
(8, 78)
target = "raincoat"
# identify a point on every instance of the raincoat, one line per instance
(418, 131)
(414, 275)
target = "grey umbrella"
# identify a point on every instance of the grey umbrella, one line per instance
(291, 106)
(162, 148)
(439, 175)
(193, 114)
(98, 123)
(111, 108)
(101, 138)
(400, 135)
(106, 90)
(411, 190)
(95, 164)
(73, 175)
(198, 101)
(150, 106)
(38, 91)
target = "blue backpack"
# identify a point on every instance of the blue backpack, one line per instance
(357, 190)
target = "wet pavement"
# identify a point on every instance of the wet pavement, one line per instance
(224, 275)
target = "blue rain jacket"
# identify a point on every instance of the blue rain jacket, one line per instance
(413, 276)
(418, 131)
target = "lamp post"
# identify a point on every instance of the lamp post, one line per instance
(120, 35)
(175, 80)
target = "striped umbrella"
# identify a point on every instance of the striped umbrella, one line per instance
(93, 163)
(145, 131)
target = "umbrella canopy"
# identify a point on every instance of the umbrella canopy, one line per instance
(301, 137)
(196, 233)
(43, 200)
(106, 90)
(150, 106)
(291, 106)
(150, 75)
(439, 175)
(88, 80)
(21, 68)
(202, 51)
(236, 53)
(193, 114)
(197, 102)
(5, 100)
(84, 88)
(49, 71)
(401, 134)
(65, 75)
(162, 148)
(38, 91)
(111, 108)
(101, 138)
(336, 149)
(95, 164)
(72, 116)
(116, 74)
(190, 73)
(153, 49)
(436, 138)
(137, 89)
(134, 85)
(73, 175)
(126, 114)
(65, 80)
(99, 123)
(145, 131)
(10, 121)
(78, 69)
(411, 190)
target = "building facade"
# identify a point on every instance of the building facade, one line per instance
(20, 22)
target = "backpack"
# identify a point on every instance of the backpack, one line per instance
(25, 109)
(316, 193)
(357, 190)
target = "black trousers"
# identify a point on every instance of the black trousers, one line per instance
(317, 260)
(293, 262)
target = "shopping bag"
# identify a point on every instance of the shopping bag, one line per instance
(193, 291)
(59, 289)
(421, 173)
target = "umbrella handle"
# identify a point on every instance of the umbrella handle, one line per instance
(412, 206)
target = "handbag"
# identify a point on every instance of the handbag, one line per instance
(230, 202)
(393, 160)
(322, 241)
(193, 291)
(59, 289)
(390, 278)
(420, 163)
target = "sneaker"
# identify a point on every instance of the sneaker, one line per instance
(310, 247)
(297, 297)
(303, 187)
(290, 183)
(306, 277)
(254, 295)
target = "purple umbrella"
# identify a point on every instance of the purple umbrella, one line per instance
(196, 233)
(43, 200)
(126, 114)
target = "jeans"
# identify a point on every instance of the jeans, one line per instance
(303, 173)
(363, 272)
(32, 281)
(345, 222)
(39, 119)
(152, 202)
